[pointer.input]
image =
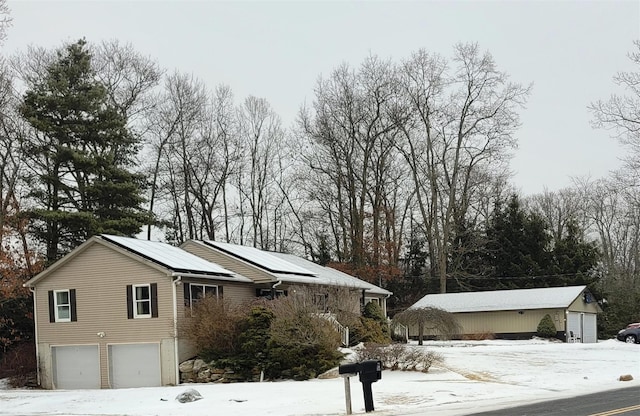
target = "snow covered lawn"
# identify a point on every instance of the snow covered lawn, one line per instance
(475, 376)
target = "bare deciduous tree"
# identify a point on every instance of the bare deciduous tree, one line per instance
(354, 178)
(262, 139)
(464, 125)
(621, 114)
(5, 20)
(559, 209)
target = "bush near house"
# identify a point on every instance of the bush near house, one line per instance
(371, 326)
(546, 327)
(284, 338)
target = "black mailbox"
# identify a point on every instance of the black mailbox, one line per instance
(352, 368)
(370, 371)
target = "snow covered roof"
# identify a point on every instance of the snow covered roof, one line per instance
(168, 256)
(262, 259)
(327, 275)
(502, 300)
(293, 269)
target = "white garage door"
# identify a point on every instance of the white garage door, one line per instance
(134, 365)
(574, 325)
(589, 328)
(583, 325)
(76, 367)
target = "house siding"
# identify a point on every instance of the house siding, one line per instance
(101, 304)
(233, 293)
(228, 262)
(579, 305)
(507, 323)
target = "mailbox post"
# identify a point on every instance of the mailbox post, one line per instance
(370, 371)
(346, 371)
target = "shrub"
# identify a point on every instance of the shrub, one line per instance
(212, 326)
(285, 337)
(251, 349)
(372, 326)
(399, 356)
(302, 344)
(480, 336)
(546, 327)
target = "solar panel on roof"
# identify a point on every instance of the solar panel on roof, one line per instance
(261, 259)
(173, 258)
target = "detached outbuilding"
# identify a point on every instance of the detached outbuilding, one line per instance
(515, 314)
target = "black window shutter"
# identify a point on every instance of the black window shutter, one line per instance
(52, 312)
(72, 302)
(187, 294)
(154, 300)
(129, 301)
(219, 292)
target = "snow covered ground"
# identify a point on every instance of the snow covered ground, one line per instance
(475, 376)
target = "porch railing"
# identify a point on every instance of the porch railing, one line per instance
(342, 330)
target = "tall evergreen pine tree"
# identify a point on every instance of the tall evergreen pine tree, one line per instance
(80, 152)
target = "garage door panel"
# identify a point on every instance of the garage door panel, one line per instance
(574, 325)
(590, 331)
(76, 367)
(134, 365)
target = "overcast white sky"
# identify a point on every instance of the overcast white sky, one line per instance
(570, 50)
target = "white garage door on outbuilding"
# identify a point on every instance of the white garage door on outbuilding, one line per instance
(582, 326)
(134, 365)
(76, 366)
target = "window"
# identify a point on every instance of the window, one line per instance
(268, 293)
(320, 301)
(196, 291)
(62, 305)
(374, 300)
(142, 301)
(199, 291)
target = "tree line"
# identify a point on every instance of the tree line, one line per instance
(397, 172)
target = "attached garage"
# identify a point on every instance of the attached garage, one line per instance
(76, 366)
(134, 365)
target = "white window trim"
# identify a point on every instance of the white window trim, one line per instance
(204, 286)
(56, 305)
(135, 301)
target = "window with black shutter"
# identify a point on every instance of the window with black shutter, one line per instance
(62, 305)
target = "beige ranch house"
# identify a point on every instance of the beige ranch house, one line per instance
(107, 314)
(515, 314)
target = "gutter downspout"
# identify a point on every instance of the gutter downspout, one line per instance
(273, 288)
(386, 315)
(176, 282)
(35, 332)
